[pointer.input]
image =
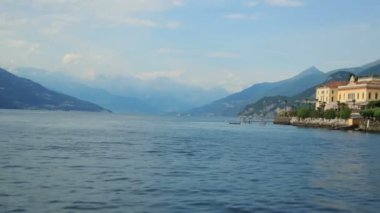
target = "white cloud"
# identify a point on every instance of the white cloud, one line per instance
(159, 74)
(27, 46)
(222, 54)
(165, 50)
(98, 12)
(54, 1)
(7, 21)
(140, 22)
(148, 23)
(173, 25)
(101, 8)
(241, 16)
(178, 3)
(285, 3)
(58, 23)
(252, 3)
(89, 75)
(18, 52)
(71, 58)
(231, 81)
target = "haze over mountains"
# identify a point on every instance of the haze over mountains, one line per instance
(162, 95)
(233, 104)
(267, 106)
(126, 93)
(298, 87)
(21, 93)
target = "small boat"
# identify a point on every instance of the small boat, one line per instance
(235, 122)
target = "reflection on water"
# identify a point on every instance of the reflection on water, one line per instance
(70, 161)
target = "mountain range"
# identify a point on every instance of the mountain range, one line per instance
(264, 98)
(233, 104)
(267, 106)
(21, 93)
(162, 95)
(126, 93)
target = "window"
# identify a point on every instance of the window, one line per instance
(332, 91)
(340, 97)
(357, 96)
(363, 95)
(351, 96)
(332, 99)
(369, 96)
(376, 96)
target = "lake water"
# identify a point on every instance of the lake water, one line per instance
(72, 161)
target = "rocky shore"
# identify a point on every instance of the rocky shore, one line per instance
(365, 125)
(282, 120)
(322, 123)
(368, 125)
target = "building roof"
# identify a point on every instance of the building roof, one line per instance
(334, 84)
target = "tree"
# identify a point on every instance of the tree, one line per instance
(367, 113)
(329, 114)
(303, 113)
(316, 114)
(376, 113)
(373, 104)
(323, 105)
(345, 113)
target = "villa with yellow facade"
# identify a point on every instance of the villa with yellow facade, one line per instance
(356, 93)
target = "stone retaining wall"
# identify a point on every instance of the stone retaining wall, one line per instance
(282, 120)
(369, 125)
(320, 123)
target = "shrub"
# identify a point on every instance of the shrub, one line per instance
(292, 113)
(373, 104)
(376, 113)
(329, 114)
(342, 106)
(316, 114)
(303, 113)
(345, 113)
(367, 113)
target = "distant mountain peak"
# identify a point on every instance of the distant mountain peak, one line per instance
(311, 70)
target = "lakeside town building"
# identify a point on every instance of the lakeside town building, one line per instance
(327, 95)
(356, 93)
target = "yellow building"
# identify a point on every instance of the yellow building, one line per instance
(355, 93)
(326, 95)
(359, 91)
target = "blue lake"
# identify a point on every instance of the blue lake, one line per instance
(74, 161)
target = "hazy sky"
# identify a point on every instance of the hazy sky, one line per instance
(208, 43)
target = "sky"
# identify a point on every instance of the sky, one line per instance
(207, 43)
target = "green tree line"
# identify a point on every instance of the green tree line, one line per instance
(372, 110)
(344, 113)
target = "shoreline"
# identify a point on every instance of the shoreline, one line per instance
(361, 125)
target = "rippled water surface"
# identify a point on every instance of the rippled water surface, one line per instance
(71, 161)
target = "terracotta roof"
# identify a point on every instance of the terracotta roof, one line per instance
(362, 83)
(335, 84)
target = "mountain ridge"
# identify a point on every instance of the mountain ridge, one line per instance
(22, 93)
(126, 93)
(67, 85)
(303, 83)
(233, 104)
(268, 105)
